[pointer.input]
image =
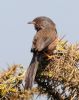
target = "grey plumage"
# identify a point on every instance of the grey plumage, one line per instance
(44, 37)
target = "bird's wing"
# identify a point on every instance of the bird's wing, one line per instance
(45, 38)
(42, 44)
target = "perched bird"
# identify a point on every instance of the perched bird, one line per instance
(44, 38)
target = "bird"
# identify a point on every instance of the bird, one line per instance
(44, 38)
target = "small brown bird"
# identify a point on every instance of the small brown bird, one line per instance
(46, 34)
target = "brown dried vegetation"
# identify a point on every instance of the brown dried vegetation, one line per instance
(59, 78)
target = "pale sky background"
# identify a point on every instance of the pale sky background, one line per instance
(16, 35)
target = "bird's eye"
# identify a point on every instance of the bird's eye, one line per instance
(37, 28)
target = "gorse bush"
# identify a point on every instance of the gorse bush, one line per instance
(57, 76)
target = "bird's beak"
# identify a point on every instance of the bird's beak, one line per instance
(32, 22)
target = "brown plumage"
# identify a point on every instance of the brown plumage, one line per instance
(43, 40)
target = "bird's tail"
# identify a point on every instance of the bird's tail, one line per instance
(31, 73)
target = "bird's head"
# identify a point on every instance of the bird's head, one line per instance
(42, 23)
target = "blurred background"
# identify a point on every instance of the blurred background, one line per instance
(16, 35)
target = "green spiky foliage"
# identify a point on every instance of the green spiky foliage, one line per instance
(57, 76)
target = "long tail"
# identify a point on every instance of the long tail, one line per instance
(31, 73)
